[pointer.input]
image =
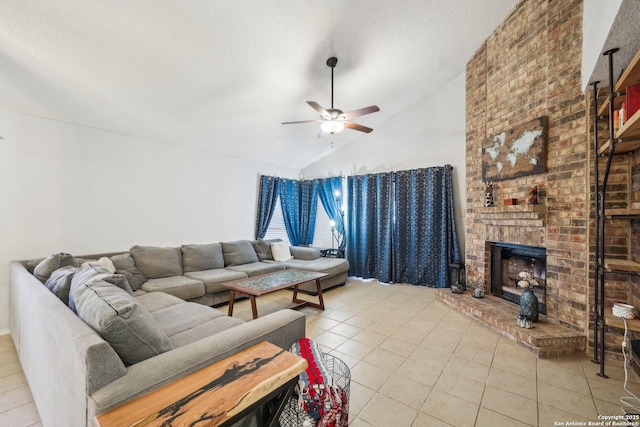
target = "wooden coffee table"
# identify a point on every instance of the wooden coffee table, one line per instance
(261, 377)
(253, 287)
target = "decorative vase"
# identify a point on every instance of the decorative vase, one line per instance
(529, 305)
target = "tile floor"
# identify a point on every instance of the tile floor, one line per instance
(416, 362)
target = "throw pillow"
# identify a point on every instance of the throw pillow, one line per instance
(120, 320)
(156, 262)
(280, 251)
(50, 264)
(60, 282)
(104, 262)
(134, 276)
(239, 252)
(107, 263)
(202, 257)
(90, 272)
(123, 261)
(263, 249)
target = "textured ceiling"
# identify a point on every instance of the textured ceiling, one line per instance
(222, 75)
(624, 36)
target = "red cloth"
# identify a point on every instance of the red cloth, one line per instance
(323, 402)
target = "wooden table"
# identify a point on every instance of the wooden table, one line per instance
(253, 287)
(218, 395)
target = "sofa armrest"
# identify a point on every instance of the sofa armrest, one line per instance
(304, 253)
(281, 328)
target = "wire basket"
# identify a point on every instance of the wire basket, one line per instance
(293, 415)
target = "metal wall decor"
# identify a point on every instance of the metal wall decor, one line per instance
(516, 152)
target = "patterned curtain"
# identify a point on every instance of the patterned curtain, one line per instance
(370, 226)
(327, 189)
(267, 198)
(308, 210)
(299, 201)
(425, 235)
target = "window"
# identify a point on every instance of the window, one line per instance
(322, 233)
(276, 228)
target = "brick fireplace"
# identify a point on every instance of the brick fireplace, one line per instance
(528, 68)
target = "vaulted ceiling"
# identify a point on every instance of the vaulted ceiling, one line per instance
(222, 75)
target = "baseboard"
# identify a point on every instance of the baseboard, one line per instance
(5, 331)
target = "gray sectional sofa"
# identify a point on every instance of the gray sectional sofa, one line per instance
(195, 272)
(88, 341)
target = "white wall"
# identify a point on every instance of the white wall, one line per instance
(68, 188)
(429, 133)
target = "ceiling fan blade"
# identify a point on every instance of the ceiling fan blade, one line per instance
(361, 112)
(318, 108)
(356, 126)
(301, 121)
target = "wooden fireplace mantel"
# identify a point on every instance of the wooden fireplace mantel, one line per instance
(516, 215)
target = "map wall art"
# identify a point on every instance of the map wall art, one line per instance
(516, 152)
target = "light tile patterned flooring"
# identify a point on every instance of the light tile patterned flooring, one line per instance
(415, 362)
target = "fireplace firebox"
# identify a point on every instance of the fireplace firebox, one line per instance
(507, 261)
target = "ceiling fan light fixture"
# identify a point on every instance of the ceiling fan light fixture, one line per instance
(332, 126)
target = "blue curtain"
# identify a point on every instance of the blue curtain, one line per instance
(308, 210)
(332, 204)
(299, 201)
(267, 198)
(425, 235)
(370, 226)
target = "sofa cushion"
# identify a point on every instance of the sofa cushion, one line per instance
(185, 322)
(331, 266)
(156, 262)
(178, 318)
(213, 278)
(238, 253)
(257, 268)
(204, 330)
(300, 252)
(120, 320)
(154, 301)
(202, 257)
(263, 249)
(180, 286)
(280, 251)
(51, 263)
(60, 282)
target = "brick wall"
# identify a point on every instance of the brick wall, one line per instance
(530, 67)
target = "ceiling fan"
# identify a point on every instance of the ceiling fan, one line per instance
(333, 120)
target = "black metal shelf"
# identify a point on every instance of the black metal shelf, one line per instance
(624, 140)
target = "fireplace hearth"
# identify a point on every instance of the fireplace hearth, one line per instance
(507, 261)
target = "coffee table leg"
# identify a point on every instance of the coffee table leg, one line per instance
(254, 309)
(232, 299)
(295, 294)
(306, 303)
(319, 289)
